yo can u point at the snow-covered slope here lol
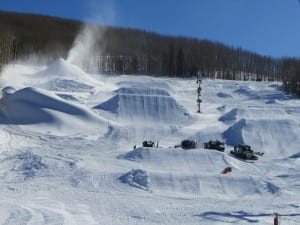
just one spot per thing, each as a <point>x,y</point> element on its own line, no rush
<point>145,104</point>
<point>67,153</point>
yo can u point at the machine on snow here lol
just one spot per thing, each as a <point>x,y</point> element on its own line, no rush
<point>148,144</point>
<point>245,152</point>
<point>188,144</point>
<point>217,145</point>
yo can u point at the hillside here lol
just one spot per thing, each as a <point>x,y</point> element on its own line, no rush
<point>130,50</point>
<point>42,39</point>
<point>67,154</point>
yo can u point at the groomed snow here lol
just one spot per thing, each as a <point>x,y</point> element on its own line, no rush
<point>145,104</point>
<point>67,154</point>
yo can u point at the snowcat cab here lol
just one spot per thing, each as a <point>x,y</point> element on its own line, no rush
<point>188,144</point>
<point>244,152</point>
<point>217,145</point>
<point>148,144</point>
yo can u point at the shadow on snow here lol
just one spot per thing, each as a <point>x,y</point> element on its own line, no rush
<point>238,216</point>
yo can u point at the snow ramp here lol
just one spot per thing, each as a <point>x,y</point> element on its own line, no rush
<point>274,137</point>
<point>197,172</point>
<point>145,104</point>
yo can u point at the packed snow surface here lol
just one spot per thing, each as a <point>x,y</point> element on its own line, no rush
<point>71,149</point>
<point>145,104</point>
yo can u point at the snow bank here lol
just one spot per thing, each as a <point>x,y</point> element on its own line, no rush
<point>146,104</point>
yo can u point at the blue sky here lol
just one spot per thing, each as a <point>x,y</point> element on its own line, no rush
<point>268,27</point>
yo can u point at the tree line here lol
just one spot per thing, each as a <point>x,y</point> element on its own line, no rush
<point>131,51</point>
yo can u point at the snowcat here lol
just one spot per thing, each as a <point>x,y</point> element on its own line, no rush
<point>148,144</point>
<point>243,151</point>
<point>188,144</point>
<point>217,145</point>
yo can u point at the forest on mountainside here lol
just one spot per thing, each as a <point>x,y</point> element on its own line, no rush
<point>131,51</point>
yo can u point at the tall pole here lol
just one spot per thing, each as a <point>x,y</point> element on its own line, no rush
<point>199,82</point>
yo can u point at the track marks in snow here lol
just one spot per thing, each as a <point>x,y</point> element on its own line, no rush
<point>47,212</point>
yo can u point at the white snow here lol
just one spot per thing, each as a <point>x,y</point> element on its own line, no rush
<point>145,104</point>
<point>67,153</point>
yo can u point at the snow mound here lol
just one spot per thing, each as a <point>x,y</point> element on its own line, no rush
<point>60,68</point>
<point>146,104</point>
<point>295,156</point>
<point>203,136</point>
<point>136,178</point>
<point>252,112</point>
<point>223,95</point>
<point>278,137</point>
<point>234,134</point>
<point>7,91</point>
<point>272,101</point>
<point>247,91</point>
<point>31,105</point>
<point>231,116</point>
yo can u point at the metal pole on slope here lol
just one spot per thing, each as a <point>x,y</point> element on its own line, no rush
<point>276,219</point>
<point>199,89</point>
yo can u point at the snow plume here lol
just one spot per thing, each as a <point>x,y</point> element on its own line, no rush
<point>87,47</point>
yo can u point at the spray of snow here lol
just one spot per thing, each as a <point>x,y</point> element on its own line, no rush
<point>87,45</point>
